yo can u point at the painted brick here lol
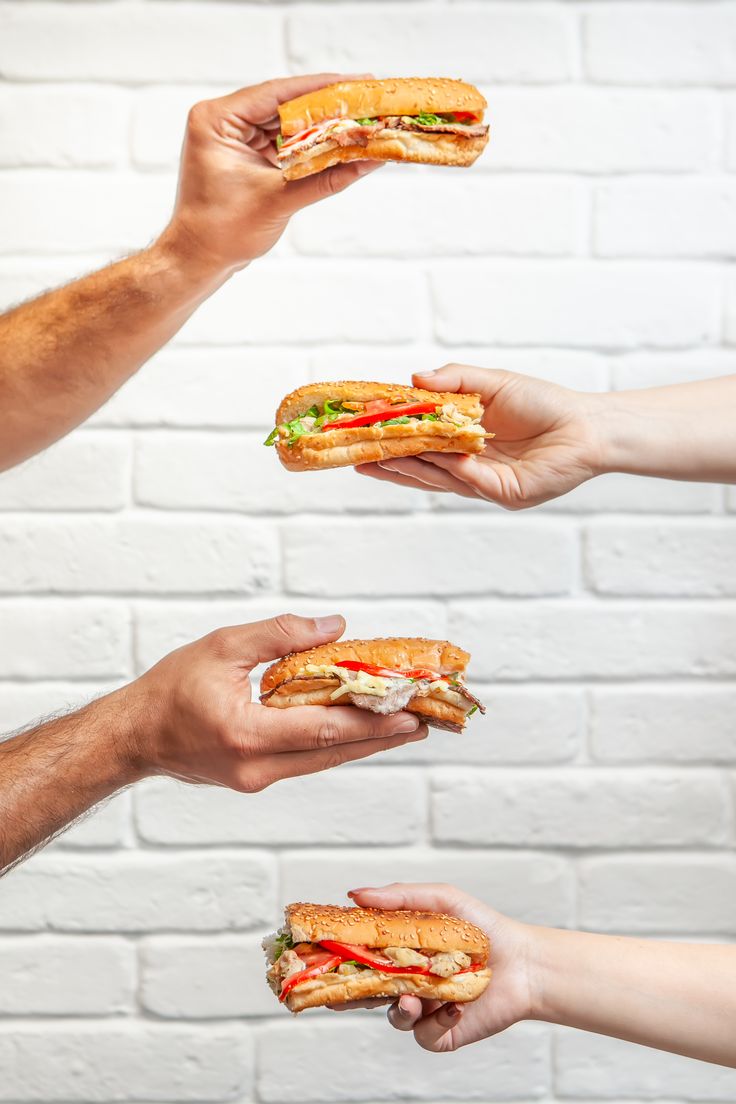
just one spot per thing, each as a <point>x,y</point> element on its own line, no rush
<point>139,892</point>
<point>57,639</point>
<point>66,976</point>
<point>657,218</point>
<point>137,554</point>
<point>574,808</point>
<point>62,126</point>
<point>608,305</point>
<point>340,808</point>
<point>497,558</point>
<point>87,471</point>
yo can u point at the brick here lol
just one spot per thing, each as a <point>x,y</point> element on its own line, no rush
<point>497,558</point>
<point>105,826</point>
<point>532,724</point>
<point>525,45</point>
<point>161,626</point>
<point>326,303</point>
<point>63,126</point>
<point>208,472</point>
<point>519,1056</point>
<point>580,808</point>
<point>684,724</point>
<point>26,704</point>
<point>205,978</point>
<point>139,892</point>
<point>731,132</point>
<point>56,639</point>
<point>660,369</point>
<point>665,218</point>
<point>532,887</point>
<point>218,388</point>
<point>137,554</point>
<point>53,211</point>
<point>730,319</point>
<point>667,558</point>
<point>555,640</point>
<point>159,120</point>
<point>91,1063</point>
<point>51,976</point>
<point>661,44</point>
<point>616,304</point>
<point>601,130</point>
<point>47,41</point>
<point>595,1066</point>
<point>660,894</point>
<point>514,215</point>
<point>336,808</point>
<point>87,471</point>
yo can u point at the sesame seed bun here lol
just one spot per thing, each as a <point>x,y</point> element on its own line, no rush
<point>366,927</point>
<point>369,98</point>
<point>365,444</point>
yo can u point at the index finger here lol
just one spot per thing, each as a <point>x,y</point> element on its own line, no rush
<point>259,103</point>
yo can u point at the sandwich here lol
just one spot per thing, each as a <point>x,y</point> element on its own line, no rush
<point>333,425</point>
<point>431,121</point>
<point>325,955</point>
<point>424,677</point>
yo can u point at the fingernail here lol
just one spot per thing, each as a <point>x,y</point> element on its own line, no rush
<point>409,724</point>
<point>330,624</point>
<point>453,1011</point>
<point>404,1011</point>
<point>428,373</point>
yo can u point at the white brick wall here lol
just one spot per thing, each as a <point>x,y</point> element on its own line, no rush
<point>589,246</point>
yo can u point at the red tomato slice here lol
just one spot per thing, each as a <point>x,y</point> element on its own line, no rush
<point>464,116</point>
<point>386,672</point>
<point>380,414</point>
<point>320,964</point>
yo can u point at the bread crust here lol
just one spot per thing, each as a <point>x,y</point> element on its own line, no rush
<point>417,147</point>
<point>349,987</point>
<point>366,927</point>
<point>369,98</point>
<point>347,447</point>
<point>400,651</point>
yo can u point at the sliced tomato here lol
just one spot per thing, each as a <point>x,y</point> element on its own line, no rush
<point>319,964</point>
<point>351,951</point>
<point>387,672</point>
<point>382,411</point>
<point>465,116</point>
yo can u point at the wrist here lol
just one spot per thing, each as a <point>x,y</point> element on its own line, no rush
<point>181,250</point>
<point>540,972</point>
<point>131,723</point>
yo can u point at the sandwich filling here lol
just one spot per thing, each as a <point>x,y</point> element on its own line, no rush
<point>294,964</point>
<point>359,132</point>
<point>383,689</point>
<point>337,414</point>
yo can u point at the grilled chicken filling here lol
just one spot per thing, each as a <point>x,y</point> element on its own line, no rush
<point>292,964</point>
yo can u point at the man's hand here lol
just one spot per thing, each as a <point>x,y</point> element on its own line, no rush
<point>545,441</point>
<point>191,715</point>
<point>233,203</point>
<point>442,1027</point>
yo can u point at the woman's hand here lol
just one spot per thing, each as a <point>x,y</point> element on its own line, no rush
<point>547,441</point>
<point>442,1027</point>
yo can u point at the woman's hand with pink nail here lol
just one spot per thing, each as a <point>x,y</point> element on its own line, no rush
<point>444,1027</point>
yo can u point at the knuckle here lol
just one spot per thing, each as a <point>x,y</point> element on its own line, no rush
<point>198,112</point>
<point>286,624</point>
<point>253,782</point>
<point>327,736</point>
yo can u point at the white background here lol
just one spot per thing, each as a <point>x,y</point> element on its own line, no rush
<point>590,246</point>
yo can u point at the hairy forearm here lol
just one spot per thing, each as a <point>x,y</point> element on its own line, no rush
<point>680,432</point>
<point>672,996</point>
<point>65,353</point>
<point>52,774</point>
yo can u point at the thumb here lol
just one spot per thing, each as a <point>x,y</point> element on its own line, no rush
<point>310,189</point>
<point>278,636</point>
<point>401,895</point>
<point>486,382</point>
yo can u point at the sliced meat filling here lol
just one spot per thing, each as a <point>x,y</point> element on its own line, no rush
<point>352,132</point>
